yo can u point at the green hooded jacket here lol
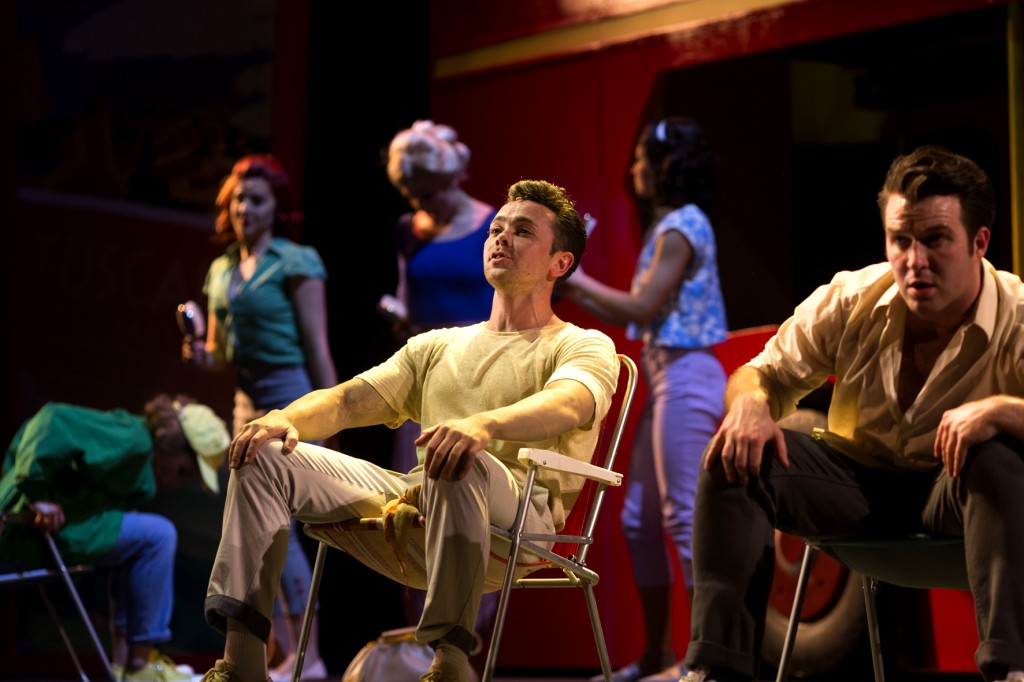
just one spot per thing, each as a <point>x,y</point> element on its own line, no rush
<point>95,464</point>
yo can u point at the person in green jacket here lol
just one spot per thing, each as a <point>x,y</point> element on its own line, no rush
<point>83,473</point>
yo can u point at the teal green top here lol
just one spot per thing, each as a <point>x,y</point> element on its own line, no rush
<point>94,464</point>
<point>259,319</point>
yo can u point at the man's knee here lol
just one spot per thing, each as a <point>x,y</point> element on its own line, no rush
<point>713,478</point>
<point>266,462</point>
<point>995,464</point>
<point>475,481</point>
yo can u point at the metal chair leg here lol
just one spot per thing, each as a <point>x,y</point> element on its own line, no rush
<point>871,608</point>
<point>63,633</point>
<point>595,623</point>
<point>307,618</point>
<point>794,614</point>
<point>510,571</point>
<point>80,607</point>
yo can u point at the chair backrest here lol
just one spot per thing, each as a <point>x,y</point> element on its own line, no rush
<point>742,345</point>
<point>582,519</point>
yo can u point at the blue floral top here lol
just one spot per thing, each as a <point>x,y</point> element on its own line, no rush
<point>695,316</point>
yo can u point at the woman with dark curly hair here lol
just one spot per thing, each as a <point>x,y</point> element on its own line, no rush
<point>675,308</point>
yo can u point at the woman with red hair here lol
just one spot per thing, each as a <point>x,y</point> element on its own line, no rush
<point>268,319</point>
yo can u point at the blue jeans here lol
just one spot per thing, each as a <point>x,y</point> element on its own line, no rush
<point>142,578</point>
<point>685,391</point>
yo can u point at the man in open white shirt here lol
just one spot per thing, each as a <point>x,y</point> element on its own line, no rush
<point>925,430</point>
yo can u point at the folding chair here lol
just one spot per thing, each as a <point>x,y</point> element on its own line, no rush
<point>60,572</point>
<point>919,561</point>
<point>363,539</point>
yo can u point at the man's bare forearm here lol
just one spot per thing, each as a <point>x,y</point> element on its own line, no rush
<point>1010,415</point>
<point>564,405</point>
<point>323,413</point>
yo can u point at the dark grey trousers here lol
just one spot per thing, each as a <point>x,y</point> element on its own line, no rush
<point>823,494</point>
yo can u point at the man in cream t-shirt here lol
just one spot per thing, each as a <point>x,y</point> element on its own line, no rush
<point>522,378</point>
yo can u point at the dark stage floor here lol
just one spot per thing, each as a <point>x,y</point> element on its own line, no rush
<point>891,676</point>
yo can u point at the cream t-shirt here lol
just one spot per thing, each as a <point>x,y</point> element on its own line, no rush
<point>459,371</point>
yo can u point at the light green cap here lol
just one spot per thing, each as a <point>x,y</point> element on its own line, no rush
<point>209,437</point>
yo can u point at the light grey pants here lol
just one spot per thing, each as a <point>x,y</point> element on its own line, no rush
<point>317,485</point>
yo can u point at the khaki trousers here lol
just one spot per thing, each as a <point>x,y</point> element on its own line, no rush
<point>317,485</point>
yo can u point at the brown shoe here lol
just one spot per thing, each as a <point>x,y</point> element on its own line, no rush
<point>439,672</point>
<point>222,672</point>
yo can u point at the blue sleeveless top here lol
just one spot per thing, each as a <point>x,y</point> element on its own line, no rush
<point>695,316</point>
<point>445,283</point>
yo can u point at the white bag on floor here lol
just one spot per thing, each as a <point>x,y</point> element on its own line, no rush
<point>395,656</point>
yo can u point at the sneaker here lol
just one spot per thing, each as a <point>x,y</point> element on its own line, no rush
<point>672,673</point>
<point>628,673</point>
<point>696,675</point>
<point>184,669</point>
<point>311,670</point>
<point>1014,676</point>
<point>221,672</point>
<point>632,672</point>
<point>159,668</point>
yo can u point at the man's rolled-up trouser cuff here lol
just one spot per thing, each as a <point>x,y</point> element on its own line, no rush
<point>460,637</point>
<point>220,607</point>
<point>711,655</point>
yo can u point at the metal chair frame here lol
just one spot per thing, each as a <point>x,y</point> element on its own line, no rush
<point>573,566</point>
<point>919,561</point>
<point>62,573</point>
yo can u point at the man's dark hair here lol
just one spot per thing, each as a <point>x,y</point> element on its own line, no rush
<point>570,235</point>
<point>933,171</point>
